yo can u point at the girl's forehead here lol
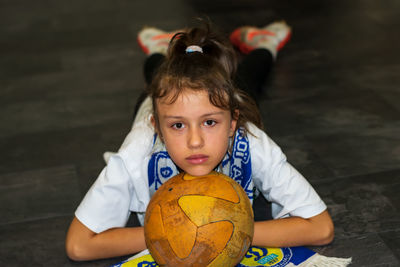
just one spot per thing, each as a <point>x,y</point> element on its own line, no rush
<point>191,105</point>
<point>193,96</point>
<point>183,95</point>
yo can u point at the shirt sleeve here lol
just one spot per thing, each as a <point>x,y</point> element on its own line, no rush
<point>122,186</point>
<point>106,204</point>
<point>290,193</point>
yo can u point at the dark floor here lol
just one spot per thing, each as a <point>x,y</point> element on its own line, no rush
<point>70,72</point>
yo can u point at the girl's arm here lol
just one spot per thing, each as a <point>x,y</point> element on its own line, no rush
<point>294,231</point>
<point>84,244</point>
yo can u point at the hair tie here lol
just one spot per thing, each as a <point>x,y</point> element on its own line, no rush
<point>193,48</point>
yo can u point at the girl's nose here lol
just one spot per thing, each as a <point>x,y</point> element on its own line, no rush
<point>195,138</point>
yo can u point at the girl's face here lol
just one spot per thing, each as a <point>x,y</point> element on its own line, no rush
<point>195,132</point>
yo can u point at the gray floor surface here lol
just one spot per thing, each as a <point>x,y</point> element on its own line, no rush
<point>70,73</point>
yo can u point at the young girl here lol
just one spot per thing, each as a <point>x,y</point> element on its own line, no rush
<point>196,120</point>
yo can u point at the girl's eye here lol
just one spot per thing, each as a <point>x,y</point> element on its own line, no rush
<point>178,125</point>
<point>209,123</point>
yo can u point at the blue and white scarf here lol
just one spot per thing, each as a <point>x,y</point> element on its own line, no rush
<point>259,256</point>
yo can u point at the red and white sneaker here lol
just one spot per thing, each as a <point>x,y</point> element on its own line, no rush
<point>272,37</point>
<point>153,40</point>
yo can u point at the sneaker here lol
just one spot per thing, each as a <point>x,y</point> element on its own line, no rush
<point>153,40</point>
<point>272,37</point>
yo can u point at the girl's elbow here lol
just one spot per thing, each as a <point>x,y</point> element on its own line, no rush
<point>78,240</point>
<point>75,251</point>
<point>326,235</point>
<point>323,228</point>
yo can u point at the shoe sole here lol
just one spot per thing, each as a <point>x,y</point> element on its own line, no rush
<point>156,37</point>
<point>143,47</point>
<point>245,49</point>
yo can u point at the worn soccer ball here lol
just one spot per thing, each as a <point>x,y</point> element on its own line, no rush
<point>199,221</point>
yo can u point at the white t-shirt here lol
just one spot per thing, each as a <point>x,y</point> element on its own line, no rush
<point>142,164</point>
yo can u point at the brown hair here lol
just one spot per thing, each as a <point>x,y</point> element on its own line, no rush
<point>211,70</point>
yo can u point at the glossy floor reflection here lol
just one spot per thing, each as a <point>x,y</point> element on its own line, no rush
<point>70,73</point>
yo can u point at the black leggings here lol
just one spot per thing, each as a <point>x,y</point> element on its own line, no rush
<point>250,76</point>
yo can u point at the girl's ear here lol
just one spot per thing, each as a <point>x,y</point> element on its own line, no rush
<point>153,121</point>
<point>156,128</point>
<point>234,121</point>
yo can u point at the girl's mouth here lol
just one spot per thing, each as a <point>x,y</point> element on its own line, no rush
<point>197,159</point>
